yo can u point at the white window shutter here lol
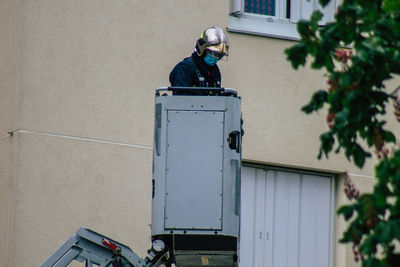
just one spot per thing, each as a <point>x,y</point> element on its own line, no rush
<point>301,9</point>
<point>287,219</point>
<point>304,8</point>
<point>329,11</point>
<point>236,7</point>
<point>295,10</point>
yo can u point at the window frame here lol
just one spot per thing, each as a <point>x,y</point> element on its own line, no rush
<point>277,26</point>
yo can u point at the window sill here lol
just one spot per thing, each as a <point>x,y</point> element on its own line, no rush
<point>264,27</point>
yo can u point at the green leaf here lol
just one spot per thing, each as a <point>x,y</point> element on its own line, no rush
<point>297,55</point>
<point>342,119</point>
<point>317,101</point>
<point>384,232</point>
<point>371,262</point>
<point>346,211</point>
<point>368,247</point>
<point>391,5</point>
<point>359,156</point>
<point>324,3</point>
<point>329,65</point>
<point>363,55</point>
<point>304,29</point>
<point>396,228</point>
<point>380,201</point>
<point>327,142</point>
<point>346,237</point>
<point>389,137</point>
<point>345,79</point>
<point>316,16</point>
<point>382,169</point>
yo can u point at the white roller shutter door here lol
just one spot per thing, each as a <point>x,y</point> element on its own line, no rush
<point>286,219</point>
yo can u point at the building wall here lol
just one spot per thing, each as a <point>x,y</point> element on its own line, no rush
<point>7,106</point>
<point>78,88</point>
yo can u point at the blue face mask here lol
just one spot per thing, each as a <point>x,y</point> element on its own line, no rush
<point>210,60</point>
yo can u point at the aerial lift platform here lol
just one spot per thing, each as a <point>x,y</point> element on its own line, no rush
<point>196,187</point>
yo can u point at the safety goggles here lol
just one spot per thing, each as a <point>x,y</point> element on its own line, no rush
<point>214,54</point>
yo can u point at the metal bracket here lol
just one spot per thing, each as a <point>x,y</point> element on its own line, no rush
<point>94,249</point>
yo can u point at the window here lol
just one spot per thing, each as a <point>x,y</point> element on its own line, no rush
<point>263,7</point>
<point>275,18</point>
<point>287,218</point>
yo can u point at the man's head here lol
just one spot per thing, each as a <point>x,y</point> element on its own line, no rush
<point>212,45</point>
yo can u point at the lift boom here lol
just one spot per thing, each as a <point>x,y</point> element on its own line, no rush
<point>92,248</point>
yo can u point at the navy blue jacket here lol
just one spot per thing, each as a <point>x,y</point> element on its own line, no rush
<point>186,73</point>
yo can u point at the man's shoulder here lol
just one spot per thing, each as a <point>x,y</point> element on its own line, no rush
<point>185,65</point>
<point>186,62</point>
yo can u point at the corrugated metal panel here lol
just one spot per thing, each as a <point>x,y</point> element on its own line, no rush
<point>286,219</point>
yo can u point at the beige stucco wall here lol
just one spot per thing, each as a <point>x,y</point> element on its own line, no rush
<point>7,101</point>
<point>61,184</point>
<point>78,87</point>
<point>343,253</point>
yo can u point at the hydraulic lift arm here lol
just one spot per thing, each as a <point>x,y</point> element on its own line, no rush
<point>96,250</point>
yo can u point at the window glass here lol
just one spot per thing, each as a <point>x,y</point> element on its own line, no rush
<point>288,9</point>
<point>262,7</point>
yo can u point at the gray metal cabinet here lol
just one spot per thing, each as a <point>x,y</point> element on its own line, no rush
<point>196,177</point>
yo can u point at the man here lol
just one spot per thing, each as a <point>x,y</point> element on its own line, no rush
<point>200,69</point>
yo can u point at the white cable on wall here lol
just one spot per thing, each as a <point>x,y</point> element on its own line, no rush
<point>5,136</point>
<point>77,138</point>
